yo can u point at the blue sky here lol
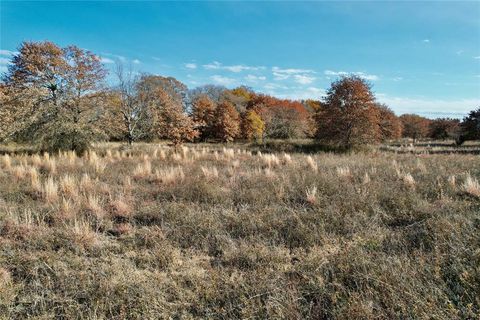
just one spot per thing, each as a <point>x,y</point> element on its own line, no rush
<point>421,57</point>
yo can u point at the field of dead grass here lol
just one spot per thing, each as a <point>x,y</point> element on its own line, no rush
<point>225,233</point>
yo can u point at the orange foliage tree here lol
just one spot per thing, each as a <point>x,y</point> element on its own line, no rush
<point>170,121</point>
<point>203,113</point>
<point>349,117</point>
<point>227,122</point>
<point>414,126</point>
<point>390,124</point>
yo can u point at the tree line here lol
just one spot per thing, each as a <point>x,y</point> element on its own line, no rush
<point>58,98</point>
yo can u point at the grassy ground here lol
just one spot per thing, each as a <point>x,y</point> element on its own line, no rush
<point>147,233</point>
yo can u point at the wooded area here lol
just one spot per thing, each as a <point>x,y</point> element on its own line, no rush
<point>58,99</point>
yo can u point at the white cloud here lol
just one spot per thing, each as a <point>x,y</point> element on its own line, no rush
<point>303,94</point>
<point>363,75</point>
<point>478,57</point>
<point>215,65</point>
<point>274,86</point>
<point>300,75</point>
<point>4,61</point>
<point>429,107</point>
<point>7,52</point>
<point>293,92</point>
<point>303,79</point>
<point>397,79</point>
<point>106,60</point>
<point>225,81</point>
<point>426,40</point>
<point>116,56</point>
<point>136,61</point>
<point>254,78</point>
<point>291,70</point>
<point>190,65</point>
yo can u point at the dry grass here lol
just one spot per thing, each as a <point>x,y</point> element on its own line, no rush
<point>209,232</point>
<point>471,186</point>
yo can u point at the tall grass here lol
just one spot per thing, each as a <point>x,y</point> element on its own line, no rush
<point>210,232</point>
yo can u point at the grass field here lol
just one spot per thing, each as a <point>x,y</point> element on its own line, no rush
<point>224,233</point>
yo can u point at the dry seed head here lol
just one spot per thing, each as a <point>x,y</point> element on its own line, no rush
<point>7,161</point>
<point>343,172</point>
<point>287,158</point>
<point>36,160</point>
<point>366,178</point>
<point>86,183</point>
<point>471,186</point>
<point>68,185</point>
<point>311,194</point>
<point>408,180</point>
<point>228,153</point>
<point>143,170</point>
<point>50,190</point>
<point>121,206</point>
<point>169,175</point>
<point>67,209</point>
<point>312,163</point>
<point>19,172</point>
<point>209,173</point>
<point>34,179</point>
<point>94,205</point>
<point>452,180</point>
<point>50,164</point>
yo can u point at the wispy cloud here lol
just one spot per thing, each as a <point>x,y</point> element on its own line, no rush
<point>215,65</point>
<point>136,61</point>
<point>360,74</point>
<point>478,57</point>
<point>429,107</point>
<point>115,56</point>
<point>299,75</point>
<point>7,52</point>
<point>303,79</point>
<point>4,61</point>
<point>254,78</point>
<point>225,81</point>
<point>106,60</point>
<point>426,40</point>
<point>190,65</point>
<point>294,92</point>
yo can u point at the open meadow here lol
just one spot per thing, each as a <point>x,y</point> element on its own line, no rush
<point>227,232</point>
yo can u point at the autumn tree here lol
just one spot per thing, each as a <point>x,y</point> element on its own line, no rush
<point>176,90</point>
<point>170,121</point>
<point>252,126</point>
<point>349,117</point>
<point>444,128</point>
<point>414,126</point>
<point>57,89</point>
<point>470,127</point>
<point>390,125</point>
<point>283,122</point>
<point>203,114</point>
<point>227,122</point>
